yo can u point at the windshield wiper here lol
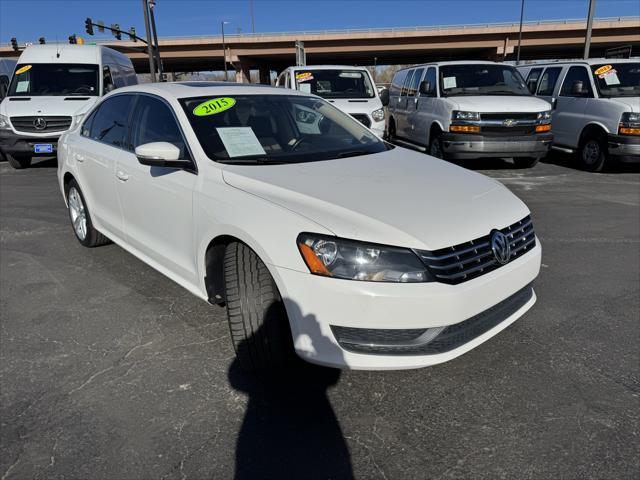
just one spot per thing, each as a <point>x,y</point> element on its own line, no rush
<point>250,161</point>
<point>352,153</point>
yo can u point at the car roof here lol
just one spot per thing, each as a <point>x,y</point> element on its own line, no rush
<point>588,61</point>
<point>455,62</point>
<point>325,67</point>
<point>204,89</point>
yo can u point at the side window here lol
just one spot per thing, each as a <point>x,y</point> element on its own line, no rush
<point>86,126</point>
<point>407,83</point>
<point>4,86</point>
<point>532,79</point>
<point>576,83</point>
<point>548,81</point>
<point>415,81</point>
<point>107,80</point>
<point>430,78</point>
<point>398,81</point>
<point>153,121</point>
<point>117,77</point>
<point>110,121</point>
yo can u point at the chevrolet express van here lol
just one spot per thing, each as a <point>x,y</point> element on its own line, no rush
<point>464,110</point>
<point>595,107</point>
<point>351,89</point>
<point>52,88</point>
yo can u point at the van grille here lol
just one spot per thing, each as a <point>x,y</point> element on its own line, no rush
<point>508,116</point>
<point>508,131</point>
<point>53,124</point>
<point>471,259</point>
<point>362,118</point>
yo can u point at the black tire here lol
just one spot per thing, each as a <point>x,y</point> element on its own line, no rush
<point>18,162</point>
<point>525,162</point>
<point>391,131</point>
<point>592,153</point>
<point>435,146</point>
<point>92,237</point>
<point>257,316</point>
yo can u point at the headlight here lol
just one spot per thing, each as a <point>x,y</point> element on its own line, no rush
<point>352,260</point>
<point>378,115</point>
<point>4,123</point>
<point>465,116</point>
<point>629,124</point>
<point>544,117</point>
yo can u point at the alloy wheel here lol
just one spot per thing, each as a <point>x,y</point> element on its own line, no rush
<point>78,213</point>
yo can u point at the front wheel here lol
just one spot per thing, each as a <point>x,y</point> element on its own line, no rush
<point>86,234</point>
<point>592,154</point>
<point>256,313</point>
<point>525,162</point>
<point>435,146</point>
<point>18,162</point>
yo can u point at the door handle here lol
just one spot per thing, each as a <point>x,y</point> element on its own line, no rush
<point>122,175</point>
<point>79,158</point>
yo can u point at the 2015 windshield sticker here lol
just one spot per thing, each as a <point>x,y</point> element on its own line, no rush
<point>23,69</point>
<point>304,76</point>
<point>603,69</point>
<point>213,106</point>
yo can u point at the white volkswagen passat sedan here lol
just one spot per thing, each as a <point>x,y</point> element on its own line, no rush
<point>315,234</point>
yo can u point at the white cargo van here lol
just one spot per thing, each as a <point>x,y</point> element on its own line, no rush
<point>351,89</point>
<point>52,88</point>
<point>596,107</point>
<point>470,109</point>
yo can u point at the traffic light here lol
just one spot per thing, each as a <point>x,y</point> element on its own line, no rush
<point>42,41</point>
<point>132,34</point>
<point>14,44</point>
<point>88,26</point>
<point>115,29</point>
<point>72,39</point>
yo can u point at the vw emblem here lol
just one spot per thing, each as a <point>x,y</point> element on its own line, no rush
<point>509,122</point>
<point>500,247</point>
<point>40,123</point>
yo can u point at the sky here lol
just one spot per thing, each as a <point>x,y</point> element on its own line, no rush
<point>27,20</point>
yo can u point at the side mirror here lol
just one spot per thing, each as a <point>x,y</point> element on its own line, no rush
<point>426,88</point>
<point>160,154</point>
<point>578,88</point>
<point>384,96</point>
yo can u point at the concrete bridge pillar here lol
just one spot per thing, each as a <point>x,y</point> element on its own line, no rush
<point>243,72</point>
<point>265,75</point>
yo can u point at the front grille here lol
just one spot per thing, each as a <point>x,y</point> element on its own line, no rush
<point>54,124</point>
<point>471,259</point>
<point>508,116</point>
<point>508,131</point>
<point>421,341</point>
<point>362,118</point>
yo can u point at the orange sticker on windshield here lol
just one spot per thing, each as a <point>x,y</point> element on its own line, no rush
<point>603,69</point>
<point>23,69</point>
<point>304,76</point>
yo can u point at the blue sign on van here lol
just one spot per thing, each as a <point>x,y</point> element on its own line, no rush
<point>43,148</point>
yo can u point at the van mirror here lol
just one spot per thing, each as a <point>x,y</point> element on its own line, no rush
<point>578,88</point>
<point>426,88</point>
<point>160,154</point>
<point>384,96</point>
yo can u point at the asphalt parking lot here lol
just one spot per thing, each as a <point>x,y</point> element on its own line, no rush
<point>110,370</point>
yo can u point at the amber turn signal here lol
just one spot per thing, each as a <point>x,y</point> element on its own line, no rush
<point>629,131</point>
<point>465,128</point>
<point>313,262</point>
<point>543,128</point>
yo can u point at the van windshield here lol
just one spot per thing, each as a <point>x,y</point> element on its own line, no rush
<point>54,79</point>
<point>481,79</point>
<point>617,79</point>
<point>335,83</point>
<point>276,129</point>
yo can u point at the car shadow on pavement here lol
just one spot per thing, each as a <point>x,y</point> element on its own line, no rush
<point>290,429</point>
<point>569,160</point>
<point>50,162</point>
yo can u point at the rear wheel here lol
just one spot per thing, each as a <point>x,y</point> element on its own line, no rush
<point>525,162</point>
<point>86,234</point>
<point>593,153</point>
<point>18,162</point>
<point>256,313</point>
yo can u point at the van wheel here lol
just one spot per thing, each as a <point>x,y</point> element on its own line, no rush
<point>593,153</point>
<point>18,162</point>
<point>435,146</point>
<point>256,313</point>
<point>525,162</point>
<point>86,234</point>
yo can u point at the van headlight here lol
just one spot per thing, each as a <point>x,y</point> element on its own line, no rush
<point>4,123</point>
<point>378,115</point>
<point>349,259</point>
<point>465,116</point>
<point>629,124</point>
<point>545,117</point>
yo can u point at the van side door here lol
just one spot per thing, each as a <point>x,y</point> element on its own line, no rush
<point>571,103</point>
<point>423,115</point>
<point>401,111</point>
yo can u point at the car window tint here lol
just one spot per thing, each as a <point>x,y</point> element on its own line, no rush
<point>532,79</point>
<point>154,121</point>
<point>109,124</point>
<point>407,83</point>
<point>548,81</point>
<point>576,74</point>
<point>413,87</point>
<point>431,78</point>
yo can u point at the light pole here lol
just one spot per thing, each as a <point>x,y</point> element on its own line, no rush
<point>152,67</point>
<point>520,32</point>
<point>587,40</point>
<point>224,52</point>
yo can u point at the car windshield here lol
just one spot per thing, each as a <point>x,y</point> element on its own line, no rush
<point>481,79</point>
<point>335,83</point>
<point>617,79</point>
<point>55,79</point>
<point>276,129</point>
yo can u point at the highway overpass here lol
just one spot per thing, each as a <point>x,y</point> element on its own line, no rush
<point>275,51</point>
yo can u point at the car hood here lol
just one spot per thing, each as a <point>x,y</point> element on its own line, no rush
<point>398,197</point>
<point>501,103</point>
<point>37,105</point>
<point>631,104</point>
<point>356,105</point>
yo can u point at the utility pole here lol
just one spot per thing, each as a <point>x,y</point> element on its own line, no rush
<point>152,19</point>
<point>253,23</point>
<point>587,40</point>
<point>519,32</point>
<point>224,51</point>
<point>152,67</point>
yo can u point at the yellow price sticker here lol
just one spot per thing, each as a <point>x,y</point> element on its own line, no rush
<point>603,69</point>
<point>213,106</point>
<point>23,69</point>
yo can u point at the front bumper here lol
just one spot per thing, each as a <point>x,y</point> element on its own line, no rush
<point>316,304</point>
<point>625,148</point>
<point>465,146</point>
<point>23,145</point>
